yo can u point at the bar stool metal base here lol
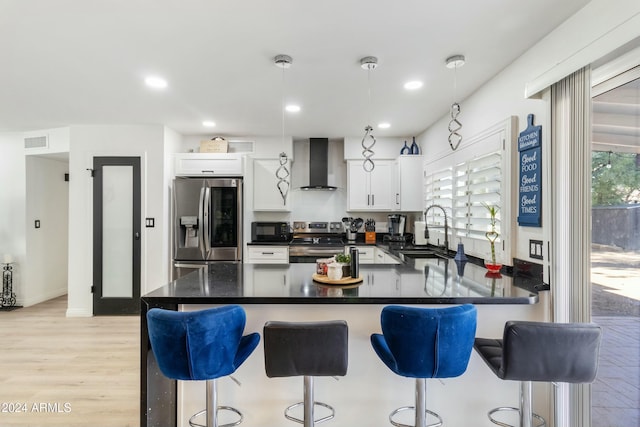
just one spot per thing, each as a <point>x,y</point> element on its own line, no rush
<point>543,423</point>
<point>525,411</point>
<point>192,423</point>
<point>407,408</point>
<point>319,420</point>
<point>420,408</point>
<point>309,404</point>
<point>211,412</point>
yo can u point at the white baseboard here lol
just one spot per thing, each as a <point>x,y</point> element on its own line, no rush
<point>45,296</point>
<point>79,312</point>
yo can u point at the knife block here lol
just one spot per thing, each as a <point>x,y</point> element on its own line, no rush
<point>369,236</point>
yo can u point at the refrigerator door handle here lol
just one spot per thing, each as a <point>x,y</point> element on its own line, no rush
<point>201,222</point>
<point>207,221</point>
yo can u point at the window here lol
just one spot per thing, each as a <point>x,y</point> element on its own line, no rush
<point>466,180</point>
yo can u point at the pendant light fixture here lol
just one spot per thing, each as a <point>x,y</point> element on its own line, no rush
<point>282,173</point>
<point>455,138</point>
<point>368,63</point>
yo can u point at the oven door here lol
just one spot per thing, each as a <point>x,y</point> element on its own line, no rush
<point>309,253</point>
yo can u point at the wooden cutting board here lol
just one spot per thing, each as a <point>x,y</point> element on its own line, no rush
<point>344,281</point>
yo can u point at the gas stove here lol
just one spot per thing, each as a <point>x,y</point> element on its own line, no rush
<point>316,239</point>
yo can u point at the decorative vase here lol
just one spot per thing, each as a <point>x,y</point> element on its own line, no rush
<point>346,270</point>
<point>492,267</point>
<point>334,271</point>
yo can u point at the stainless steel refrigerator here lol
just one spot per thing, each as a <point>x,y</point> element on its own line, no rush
<point>207,222</point>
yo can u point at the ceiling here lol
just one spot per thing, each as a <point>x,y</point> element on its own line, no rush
<point>71,62</point>
<point>616,119</point>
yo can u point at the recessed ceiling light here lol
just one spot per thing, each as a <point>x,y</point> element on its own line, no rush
<point>208,124</point>
<point>384,125</point>
<point>155,82</point>
<point>292,108</point>
<point>413,85</point>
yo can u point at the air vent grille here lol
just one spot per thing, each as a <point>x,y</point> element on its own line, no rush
<point>36,142</point>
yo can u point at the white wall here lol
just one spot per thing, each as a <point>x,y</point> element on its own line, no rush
<point>12,206</point>
<point>173,143</point>
<point>87,142</point>
<point>47,200</point>
<point>57,141</point>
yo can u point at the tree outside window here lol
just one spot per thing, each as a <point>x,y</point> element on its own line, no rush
<point>615,178</point>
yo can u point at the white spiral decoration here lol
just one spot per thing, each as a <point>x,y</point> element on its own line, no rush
<point>367,151</point>
<point>455,138</point>
<point>282,173</point>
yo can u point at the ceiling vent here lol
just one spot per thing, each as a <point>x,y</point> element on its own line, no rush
<point>36,142</point>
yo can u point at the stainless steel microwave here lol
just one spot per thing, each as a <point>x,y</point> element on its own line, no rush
<point>262,231</point>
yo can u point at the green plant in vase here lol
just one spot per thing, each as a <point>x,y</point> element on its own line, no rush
<point>345,260</point>
<point>492,236</point>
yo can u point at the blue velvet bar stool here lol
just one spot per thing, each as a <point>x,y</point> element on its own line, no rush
<point>201,346</point>
<point>307,349</point>
<point>540,351</point>
<point>425,343</point>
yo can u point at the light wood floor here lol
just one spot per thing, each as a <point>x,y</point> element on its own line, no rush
<point>59,371</point>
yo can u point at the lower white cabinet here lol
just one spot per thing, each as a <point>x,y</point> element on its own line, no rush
<point>382,257</point>
<point>267,283</point>
<point>373,255</point>
<point>366,254</point>
<point>267,255</point>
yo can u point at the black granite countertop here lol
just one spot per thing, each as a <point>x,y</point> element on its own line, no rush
<point>422,281</point>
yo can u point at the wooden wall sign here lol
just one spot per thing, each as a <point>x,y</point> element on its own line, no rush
<point>530,183</point>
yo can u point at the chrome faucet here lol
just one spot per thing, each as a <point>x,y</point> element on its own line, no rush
<point>446,226</point>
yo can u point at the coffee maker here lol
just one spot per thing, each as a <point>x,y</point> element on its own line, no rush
<point>396,224</point>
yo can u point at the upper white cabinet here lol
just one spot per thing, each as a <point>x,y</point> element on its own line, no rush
<point>266,195</point>
<point>208,164</point>
<point>408,184</point>
<point>370,191</point>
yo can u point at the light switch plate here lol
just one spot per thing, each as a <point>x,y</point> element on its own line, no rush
<point>535,249</point>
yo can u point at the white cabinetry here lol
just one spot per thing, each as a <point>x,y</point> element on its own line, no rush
<point>264,283</point>
<point>208,164</point>
<point>266,196</point>
<point>370,191</point>
<point>382,257</point>
<point>373,255</point>
<point>408,184</point>
<point>267,254</point>
<point>366,254</point>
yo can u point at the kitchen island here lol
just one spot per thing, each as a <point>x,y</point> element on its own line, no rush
<point>369,391</point>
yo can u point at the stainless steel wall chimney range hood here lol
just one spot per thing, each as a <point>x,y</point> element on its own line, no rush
<point>318,165</point>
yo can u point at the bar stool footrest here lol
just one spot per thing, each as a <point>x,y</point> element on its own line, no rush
<point>542,421</point>
<point>413,408</point>
<point>320,420</point>
<point>192,423</point>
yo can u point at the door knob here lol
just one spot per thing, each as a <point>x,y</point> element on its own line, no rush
<point>137,235</point>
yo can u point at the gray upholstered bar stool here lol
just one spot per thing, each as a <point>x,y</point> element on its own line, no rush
<point>539,351</point>
<point>307,349</point>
